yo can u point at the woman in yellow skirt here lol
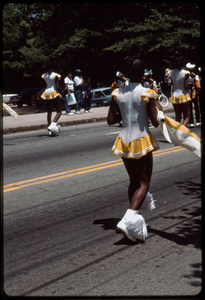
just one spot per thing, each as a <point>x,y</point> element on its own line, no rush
<point>134,104</point>
<point>52,96</point>
<point>180,97</point>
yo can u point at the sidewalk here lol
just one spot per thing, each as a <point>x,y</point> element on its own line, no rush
<point>38,121</point>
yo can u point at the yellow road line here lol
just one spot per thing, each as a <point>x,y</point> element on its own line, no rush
<point>57,174</point>
<point>79,171</point>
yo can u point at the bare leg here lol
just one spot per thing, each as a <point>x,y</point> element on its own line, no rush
<point>58,109</point>
<point>186,113</point>
<point>177,109</point>
<point>49,109</point>
<point>139,171</point>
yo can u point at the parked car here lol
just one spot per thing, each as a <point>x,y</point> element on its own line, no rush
<point>41,103</point>
<point>100,96</point>
<point>24,97</point>
<point>6,97</point>
<point>36,98</point>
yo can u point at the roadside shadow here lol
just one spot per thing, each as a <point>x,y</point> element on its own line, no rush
<point>187,230</point>
<point>126,241</point>
<point>107,224</point>
<point>191,188</point>
<point>195,276</point>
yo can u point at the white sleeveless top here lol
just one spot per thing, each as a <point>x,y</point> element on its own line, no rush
<point>50,81</point>
<point>178,77</point>
<point>132,101</point>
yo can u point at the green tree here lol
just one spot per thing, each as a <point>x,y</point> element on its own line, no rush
<point>95,37</point>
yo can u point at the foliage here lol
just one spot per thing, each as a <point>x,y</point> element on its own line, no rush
<point>95,37</point>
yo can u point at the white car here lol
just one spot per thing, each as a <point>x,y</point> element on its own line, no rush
<point>100,96</point>
<point>6,97</point>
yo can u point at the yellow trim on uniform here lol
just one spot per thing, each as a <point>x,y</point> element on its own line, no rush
<point>148,94</point>
<point>181,99</point>
<point>58,75</point>
<point>50,96</point>
<point>135,149</point>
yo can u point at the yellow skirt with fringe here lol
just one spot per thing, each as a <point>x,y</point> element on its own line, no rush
<point>135,149</point>
<point>181,99</point>
<point>50,96</point>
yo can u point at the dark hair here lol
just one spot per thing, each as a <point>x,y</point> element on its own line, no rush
<point>68,72</point>
<point>178,62</point>
<point>50,65</point>
<point>132,65</point>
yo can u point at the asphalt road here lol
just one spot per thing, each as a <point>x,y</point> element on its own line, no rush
<point>63,197</point>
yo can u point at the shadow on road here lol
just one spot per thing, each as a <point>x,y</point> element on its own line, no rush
<point>187,225</point>
<point>191,188</point>
<point>187,230</point>
<point>108,224</point>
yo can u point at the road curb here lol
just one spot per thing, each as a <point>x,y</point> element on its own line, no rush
<point>45,126</point>
<point>38,126</point>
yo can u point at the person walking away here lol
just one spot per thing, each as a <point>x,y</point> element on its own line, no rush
<point>180,97</point>
<point>194,88</point>
<point>88,96</point>
<point>168,81</point>
<point>120,81</point>
<point>52,96</point>
<point>200,81</point>
<point>68,90</point>
<point>148,82</point>
<point>135,144</point>
<point>78,88</point>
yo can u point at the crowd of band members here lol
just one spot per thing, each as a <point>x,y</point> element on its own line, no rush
<point>75,88</point>
<point>194,89</point>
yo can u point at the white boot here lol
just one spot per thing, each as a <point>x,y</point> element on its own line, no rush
<point>53,127</point>
<point>148,202</point>
<point>133,225</point>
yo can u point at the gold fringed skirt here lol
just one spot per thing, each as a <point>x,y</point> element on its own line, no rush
<point>50,96</point>
<point>136,148</point>
<point>180,100</point>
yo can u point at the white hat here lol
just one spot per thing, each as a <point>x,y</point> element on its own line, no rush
<point>199,68</point>
<point>190,66</point>
<point>118,74</point>
<point>147,72</point>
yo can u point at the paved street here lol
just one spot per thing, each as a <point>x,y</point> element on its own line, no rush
<point>63,197</point>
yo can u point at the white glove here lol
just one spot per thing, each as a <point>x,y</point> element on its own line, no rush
<point>160,116</point>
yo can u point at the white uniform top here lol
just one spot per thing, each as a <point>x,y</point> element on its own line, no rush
<point>50,81</point>
<point>178,77</point>
<point>132,101</point>
<point>70,83</point>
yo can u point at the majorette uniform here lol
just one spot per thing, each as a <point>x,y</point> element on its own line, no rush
<point>51,90</point>
<point>150,83</point>
<point>135,139</point>
<point>119,83</point>
<point>180,95</point>
<point>51,93</point>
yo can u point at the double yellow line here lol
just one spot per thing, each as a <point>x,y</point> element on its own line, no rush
<point>48,178</point>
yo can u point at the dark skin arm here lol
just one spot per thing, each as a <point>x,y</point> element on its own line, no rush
<point>186,82</point>
<point>114,115</point>
<point>67,89</point>
<point>57,85</point>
